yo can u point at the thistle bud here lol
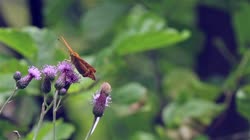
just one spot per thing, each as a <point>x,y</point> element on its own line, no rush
<point>101,99</point>
<point>60,82</point>
<point>17,76</point>
<point>34,73</point>
<point>46,85</point>
<point>62,92</point>
<point>24,82</point>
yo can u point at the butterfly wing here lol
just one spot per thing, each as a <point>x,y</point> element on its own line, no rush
<point>85,69</point>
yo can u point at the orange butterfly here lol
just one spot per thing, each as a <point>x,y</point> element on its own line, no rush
<point>85,69</point>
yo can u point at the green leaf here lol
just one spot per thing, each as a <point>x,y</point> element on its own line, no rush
<point>46,42</point>
<point>63,131</point>
<point>184,84</point>
<point>8,84</point>
<point>243,101</point>
<point>129,94</point>
<point>20,41</point>
<point>241,24</point>
<point>99,20</point>
<point>11,65</point>
<point>6,127</point>
<point>184,13</point>
<point>202,111</point>
<point>145,31</point>
<point>127,99</point>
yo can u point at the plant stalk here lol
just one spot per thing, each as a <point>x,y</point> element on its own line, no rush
<point>7,101</point>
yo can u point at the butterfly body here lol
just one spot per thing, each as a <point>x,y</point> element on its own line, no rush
<point>85,69</point>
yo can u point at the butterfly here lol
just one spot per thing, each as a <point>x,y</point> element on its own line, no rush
<point>85,69</point>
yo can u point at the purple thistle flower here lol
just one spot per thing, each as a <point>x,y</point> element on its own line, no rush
<point>34,73</point>
<point>72,77</point>
<point>101,99</point>
<point>65,66</point>
<point>67,76</point>
<point>61,81</point>
<point>49,72</point>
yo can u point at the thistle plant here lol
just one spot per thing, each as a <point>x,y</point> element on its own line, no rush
<point>49,73</point>
<point>23,82</point>
<point>64,76</point>
<point>100,101</point>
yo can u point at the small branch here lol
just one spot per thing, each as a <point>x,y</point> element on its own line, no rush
<point>8,100</point>
<point>54,114</point>
<point>59,102</point>
<point>225,52</point>
<point>44,110</point>
<point>231,83</point>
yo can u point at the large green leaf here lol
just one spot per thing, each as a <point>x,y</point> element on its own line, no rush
<point>46,41</point>
<point>241,23</point>
<point>243,101</point>
<point>20,41</point>
<point>11,65</point>
<point>183,13</point>
<point>63,131</point>
<point>7,87</point>
<point>129,93</point>
<point>202,111</point>
<point>6,127</point>
<point>145,31</point>
<point>127,99</point>
<point>100,19</point>
<point>184,84</point>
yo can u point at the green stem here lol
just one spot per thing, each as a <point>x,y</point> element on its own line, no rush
<point>44,111</point>
<point>54,114</point>
<point>7,101</point>
<point>59,102</point>
<point>95,122</point>
<point>231,83</point>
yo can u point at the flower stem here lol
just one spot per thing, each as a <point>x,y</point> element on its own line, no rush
<point>44,110</point>
<point>95,122</point>
<point>59,101</point>
<point>7,101</point>
<point>54,114</point>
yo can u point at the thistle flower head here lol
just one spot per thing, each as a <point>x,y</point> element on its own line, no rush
<point>101,99</point>
<point>72,77</point>
<point>34,73</point>
<point>67,75</point>
<point>65,66</point>
<point>49,72</point>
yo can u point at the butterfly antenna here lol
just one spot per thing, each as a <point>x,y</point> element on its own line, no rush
<point>66,44</point>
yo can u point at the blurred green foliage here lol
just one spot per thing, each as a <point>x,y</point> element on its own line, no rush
<point>147,50</point>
